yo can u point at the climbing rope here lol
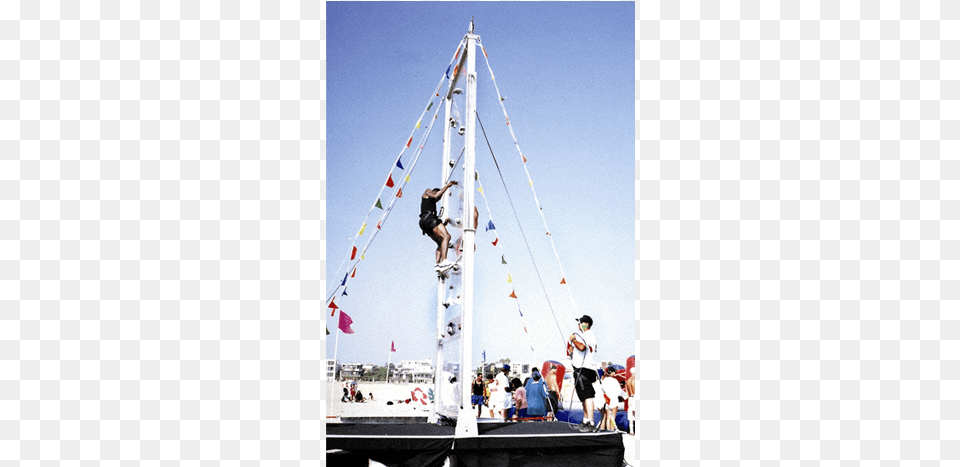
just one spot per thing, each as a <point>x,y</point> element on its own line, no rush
<point>522,233</point>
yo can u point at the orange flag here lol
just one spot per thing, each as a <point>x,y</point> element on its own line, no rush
<point>400,193</point>
<point>409,141</point>
<point>513,294</point>
<point>563,281</point>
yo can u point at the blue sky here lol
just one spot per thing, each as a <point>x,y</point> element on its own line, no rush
<point>565,70</point>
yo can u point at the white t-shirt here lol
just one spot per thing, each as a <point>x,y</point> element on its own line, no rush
<point>611,388</point>
<point>584,358</point>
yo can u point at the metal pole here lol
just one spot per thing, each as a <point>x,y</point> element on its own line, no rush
<point>467,419</point>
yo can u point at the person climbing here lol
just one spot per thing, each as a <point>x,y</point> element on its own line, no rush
<point>431,224</point>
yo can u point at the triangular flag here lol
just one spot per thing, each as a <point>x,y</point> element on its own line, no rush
<point>399,165</point>
<point>495,241</point>
<point>333,306</point>
<point>362,228</point>
<point>480,189</point>
<point>418,123</point>
<point>378,225</point>
<point>458,53</point>
<point>563,281</point>
<point>508,120</point>
<point>354,274</point>
<point>344,280</point>
<point>400,193</point>
<point>503,260</point>
<point>390,180</point>
<point>447,73</point>
<point>484,51</point>
<point>512,295</point>
<point>524,158</point>
<point>409,141</point>
<point>431,105</point>
<point>344,294</point>
<point>379,206</point>
<point>407,178</point>
<point>490,226</point>
<point>509,278</point>
<point>345,323</point>
<point>353,255</point>
<point>392,348</point>
<point>476,176</point>
<point>328,331</point>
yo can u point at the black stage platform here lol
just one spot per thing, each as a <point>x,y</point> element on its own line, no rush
<point>527,444</point>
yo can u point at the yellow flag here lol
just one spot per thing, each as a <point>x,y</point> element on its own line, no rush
<point>362,228</point>
<point>407,178</point>
<point>480,190</point>
<point>531,182</point>
<point>509,279</point>
<point>418,124</point>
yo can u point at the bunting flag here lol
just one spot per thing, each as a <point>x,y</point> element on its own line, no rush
<point>409,141</point>
<point>418,124</point>
<point>490,226</point>
<point>508,120</point>
<point>513,294</point>
<point>484,355</point>
<point>431,105</point>
<point>480,189</point>
<point>390,180</point>
<point>354,273</point>
<point>509,278</point>
<point>399,165</point>
<point>392,348</point>
<point>333,306</point>
<point>345,323</point>
<point>448,76</point>
<point>344,283</point>
<point>328,331</point>
<point>457,54</point>
<point>563,280</point>
<point>524,158</point>
<point>362,228</point>
<point>400,193</point>
<point>407,178</point>
<point>456,70</point>
<point>495,241</point>
<point>379,206</point>
<point>503,260</point>
<point>353,255</point>
<point>378,224</point>
<point>484,51</point>
<point>344,294</point>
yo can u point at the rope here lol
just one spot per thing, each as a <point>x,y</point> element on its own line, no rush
<point>563,274</point>
<point>524,235</point>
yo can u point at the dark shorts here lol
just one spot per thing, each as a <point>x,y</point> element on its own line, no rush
<point>476,400</point>
<point>428,222</point>
<point>584,379</point>
<point>553,401</point>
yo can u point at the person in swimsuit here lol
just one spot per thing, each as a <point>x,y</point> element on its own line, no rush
<point>431,224</point>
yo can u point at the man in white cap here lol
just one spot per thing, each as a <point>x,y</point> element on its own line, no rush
<point>581,346</point>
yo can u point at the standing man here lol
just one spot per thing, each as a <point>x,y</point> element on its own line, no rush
<point>431,224</point>
<point>553,391</point>
<point>477,397</point>
<point>581,347</point>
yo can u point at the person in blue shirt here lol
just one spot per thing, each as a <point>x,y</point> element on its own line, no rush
<point>536,395</point>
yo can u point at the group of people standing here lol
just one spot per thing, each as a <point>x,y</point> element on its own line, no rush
<point>535,397</point>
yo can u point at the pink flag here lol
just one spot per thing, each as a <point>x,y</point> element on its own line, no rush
<point>392,348</point>
<point>345,323</point>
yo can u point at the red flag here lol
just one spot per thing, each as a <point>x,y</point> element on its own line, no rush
<point>390,180</point>
<point>345,323</point>
<point>400,193</point>
<point>333,306</point>
<point>513,294</point>
<point>354,273</point>
<point>563,280</point>
<point>392,348</point>
<point>378,224</point>
<point>409,141</point>
<point>495,241</point>
<point>524,158</point>
<point>354,254</point>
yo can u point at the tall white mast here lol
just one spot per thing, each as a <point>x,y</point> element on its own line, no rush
<point>467,418</point>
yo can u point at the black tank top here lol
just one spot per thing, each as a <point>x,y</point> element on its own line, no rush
<point>428,206</point>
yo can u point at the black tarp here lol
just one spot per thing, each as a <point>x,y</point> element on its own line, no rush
<point>528,444</point>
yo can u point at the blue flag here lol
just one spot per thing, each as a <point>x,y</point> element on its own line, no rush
<point>484,355</point>
<point>399,165</point>
<point>344,279</point>
<point>490,226</point>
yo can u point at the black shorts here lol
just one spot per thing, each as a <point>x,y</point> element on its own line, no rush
<point>553,401</point>
<point>583,379</point>
<point>428,222</point>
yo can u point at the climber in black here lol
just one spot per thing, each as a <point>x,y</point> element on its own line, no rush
<point>431,224</point>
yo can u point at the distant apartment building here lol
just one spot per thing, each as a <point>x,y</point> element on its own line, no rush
<point>350,370</point>
<point>332,368</point>
<point>414,371</point>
